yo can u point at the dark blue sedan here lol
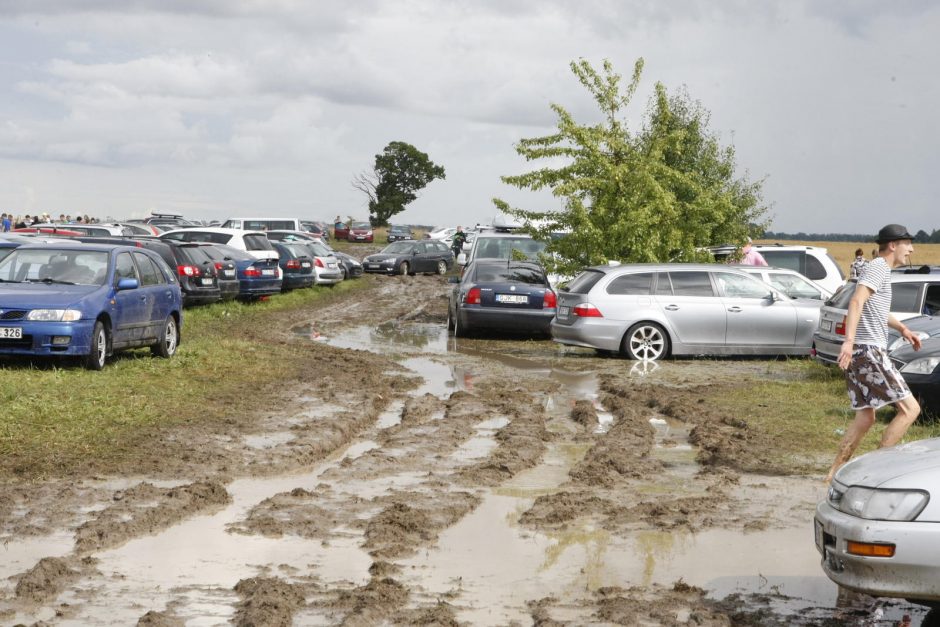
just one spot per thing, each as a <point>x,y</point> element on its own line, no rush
<point>87,301</point>
<point>501,296</point>
<point>257,278</point>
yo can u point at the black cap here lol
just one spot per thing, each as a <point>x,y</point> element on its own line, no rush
<point>892,233</point>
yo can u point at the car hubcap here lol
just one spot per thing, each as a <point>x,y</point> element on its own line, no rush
<point>101,347</point>
<point>170,337</point>
<point>647,343</point>
<point>441,267</point>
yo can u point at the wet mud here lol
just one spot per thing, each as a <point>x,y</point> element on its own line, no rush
<point>421,479</point>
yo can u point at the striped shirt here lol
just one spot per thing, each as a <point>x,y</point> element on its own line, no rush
<point>873,324</point>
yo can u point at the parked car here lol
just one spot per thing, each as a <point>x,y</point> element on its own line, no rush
<point>349,266</point>
<point>317,228</point>
<point>790,282</point>
<point>255,243</point>
<point>87,300</point>
<point>878,530</point>
<point>360,232</point>
<point>813,262</point>
<point>340,230</point>
<point>257,278</point>
<point>649,311</point>
<point>263,224</point>
<point>501,296</point>
<point>921,371</point>
<point>8,246</point>
<point>911,296</point>
<point>296,265</point>
<point>139,228</point>
<point>500,244</point>
<point>411,257</point>
<point>226,272</point>
<point>49,229</point>
<point>398,232</point>
<point>197,274</point>
<point>327,268</point>
<point>168,220</point>
<point>922,326</point>
<point>352,267</point>
<point>441,232</point>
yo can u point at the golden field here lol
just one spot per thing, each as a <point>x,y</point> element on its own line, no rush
<point>844,252</point>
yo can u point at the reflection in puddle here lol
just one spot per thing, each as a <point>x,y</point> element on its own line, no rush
<point>437,376</point>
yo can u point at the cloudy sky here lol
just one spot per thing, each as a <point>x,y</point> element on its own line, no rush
<point>218,108</point>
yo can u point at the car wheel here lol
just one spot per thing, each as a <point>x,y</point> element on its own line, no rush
<point>450,322</point>
<point>442,267</point>
<point>646,341</point>
<point>169,339</point>
<point>100,339</point>
<point>403,268</point>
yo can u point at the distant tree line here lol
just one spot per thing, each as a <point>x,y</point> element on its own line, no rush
<point>921,237</point>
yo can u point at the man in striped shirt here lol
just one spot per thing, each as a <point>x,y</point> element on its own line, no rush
<point>871,379</point>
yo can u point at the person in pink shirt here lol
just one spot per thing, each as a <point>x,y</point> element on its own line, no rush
<point>751,257</point>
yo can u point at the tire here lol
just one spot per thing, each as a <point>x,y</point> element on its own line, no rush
<point>450,322</point>
<point>645,341</point>
<point>442,267</point>
<point>404,268</point>
<point>169,339</point>
<point>100,342</point>
<point>459,331</point>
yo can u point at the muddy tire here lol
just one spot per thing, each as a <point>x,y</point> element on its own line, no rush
<point>459,330</point>
<point>169,339</point>
<point>442,267</point>
<point>100,342</point>
<point>645,341</point>
<point>404,268</point>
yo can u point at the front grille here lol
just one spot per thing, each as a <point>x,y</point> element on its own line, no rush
<point>13,314</point>
<point>897,363</point>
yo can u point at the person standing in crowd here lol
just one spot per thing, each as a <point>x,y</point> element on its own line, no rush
<point>855,270</point>
<point>751,257</point>
<point>6,223</point>
<point>459,238</point>
<point>871,379</point>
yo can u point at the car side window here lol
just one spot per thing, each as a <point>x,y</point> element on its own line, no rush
<point>791,260</point>
<point>174,236</point>
<point>663,284</point>
<point>631,284</point>
<point>794,285</point>
<point>737,286</point>
<point>124,267</point>
<point>905,297</point>
<point>814,269</point>
<point>932,300</point>
<point>691,284</point>
<point>420,248</point>
<point>149,275</point>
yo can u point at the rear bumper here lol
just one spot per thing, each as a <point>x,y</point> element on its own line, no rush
<point>37,338</point>
<point>255,289</point>
<point>598,334</point>
<point>514,320</point>
<point>827,349</point>
<point>201,297</point>
<point>328,276</point>
<point>295,281</point>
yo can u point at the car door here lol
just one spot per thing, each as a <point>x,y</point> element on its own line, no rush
<point>422,258</point>
<point>159,296</point>
<point>755,317</point>
<point>689,303</point>
<point>128,309</point>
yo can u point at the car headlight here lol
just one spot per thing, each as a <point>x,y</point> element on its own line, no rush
<point>872,504</point>
<point>54,315</point>
<point>898,343</point>
<point>924,365</point>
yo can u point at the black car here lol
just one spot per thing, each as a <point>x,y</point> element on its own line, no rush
<point>226,270</point>
<point>352,267</point>
<point>411,257</point>
<point>296,265</point>
<point>921,371</point>
<point>399,232</point>
<point>501,296</point>
<point>199,279</point>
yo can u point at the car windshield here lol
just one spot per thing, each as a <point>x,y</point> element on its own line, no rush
<point>504,274</point>
<point>398,248</point>
<point>55,266</point>
<point>399,229</point>
<point>361,225</point>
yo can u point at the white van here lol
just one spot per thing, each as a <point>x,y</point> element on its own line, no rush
<point>264,224</point>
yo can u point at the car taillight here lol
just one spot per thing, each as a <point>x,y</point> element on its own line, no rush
<point>293,264</point>
<point>840,327</point>
<point>186,270</point>
<point>587,310</point>
<point>472,297</point>
<point>549,301</point>
<point>252,271</point>
<point>218,265</point>
<point>319,263</point>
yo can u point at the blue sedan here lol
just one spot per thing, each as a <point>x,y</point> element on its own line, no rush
<point>87,301</point>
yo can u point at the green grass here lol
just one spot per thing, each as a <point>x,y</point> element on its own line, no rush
<point>57,418</point>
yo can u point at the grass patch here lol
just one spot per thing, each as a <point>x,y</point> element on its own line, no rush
<point>57,418</point>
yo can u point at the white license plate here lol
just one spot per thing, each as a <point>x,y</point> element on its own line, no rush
<point>373,265</point>
<point>207,281</point>
<point>825,325</point>
<point>563,311</point>
<point>11,333</point>
<point>267,272</point>
<point>305,264</point>
<point>229,273</point>
<point>331,265</point>
<point>512,298</point>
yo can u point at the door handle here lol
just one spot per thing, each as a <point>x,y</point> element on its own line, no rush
<point>671,307</point>
<point>734,309</point>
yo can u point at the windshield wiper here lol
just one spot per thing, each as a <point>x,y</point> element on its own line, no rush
<point>49,281</point>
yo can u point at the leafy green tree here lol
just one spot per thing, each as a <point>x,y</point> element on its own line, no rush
<point>921,237</point>
<point>399,173</point>
<point>658,193</point>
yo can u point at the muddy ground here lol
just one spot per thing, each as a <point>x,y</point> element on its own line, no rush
<point>433,481</point>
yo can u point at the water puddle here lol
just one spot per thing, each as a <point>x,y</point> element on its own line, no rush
<point>386,337</point>
<point>390,417</point>
<point>437,376</point>
<point>482,443</point>
<point>268,440</point>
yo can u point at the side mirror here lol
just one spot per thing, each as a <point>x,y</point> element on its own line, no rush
<point>127,284</point>
<point>462,259</point>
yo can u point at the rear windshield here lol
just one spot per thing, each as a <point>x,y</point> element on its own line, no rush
<point>503,274</point>
<point>193,254</point>
<point>583,283</point>
<point>502,247</point>
<point>840,300</point>
<point>296,250</point>
<point>234,253</point>
<point>258,242</point>
<point>318,249</point>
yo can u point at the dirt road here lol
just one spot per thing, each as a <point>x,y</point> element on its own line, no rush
<point>426,480</point>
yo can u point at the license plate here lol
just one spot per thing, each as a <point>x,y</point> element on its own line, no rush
<point>373,265</point>
<point>267,272</point>
<point>207,281</point>
<point>305,264</point>
<point>825,325</point>
<point>11,333</point>
<point>331,265</point>
<point>819,535</point>
<point>229,273</point>
<point>512,298</point>
<point>563,311</point>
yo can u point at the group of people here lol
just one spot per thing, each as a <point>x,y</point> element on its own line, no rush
<point>8,222</point>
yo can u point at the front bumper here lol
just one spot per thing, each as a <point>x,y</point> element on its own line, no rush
<point>381,267</point>
<point>914,571</point>
<point>37,338</point>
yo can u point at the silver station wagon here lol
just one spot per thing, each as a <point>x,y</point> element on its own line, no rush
<point>650,311</point>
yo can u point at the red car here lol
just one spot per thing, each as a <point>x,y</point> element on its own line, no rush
<point>340,230</point>
<point>360,232</point>
<point>49,230</point>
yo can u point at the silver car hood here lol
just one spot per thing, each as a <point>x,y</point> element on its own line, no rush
<point>915,465</point>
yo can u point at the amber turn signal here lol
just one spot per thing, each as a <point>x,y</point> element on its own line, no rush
<point>869,550</point>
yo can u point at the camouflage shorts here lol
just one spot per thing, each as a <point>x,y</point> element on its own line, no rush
<point>872,380</point>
